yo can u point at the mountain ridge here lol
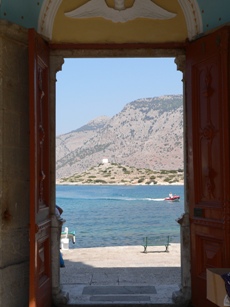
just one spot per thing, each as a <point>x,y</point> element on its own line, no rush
<point>146,133</point>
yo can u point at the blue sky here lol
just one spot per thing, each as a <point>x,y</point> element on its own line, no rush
<point>88,88</point>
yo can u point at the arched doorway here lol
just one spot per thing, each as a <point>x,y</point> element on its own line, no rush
<point>205,121</point>
<point>77,76</point>
<point>57,58</point>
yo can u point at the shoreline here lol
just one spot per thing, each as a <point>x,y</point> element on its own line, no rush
<point>118,174</point>
<point>118,184</point>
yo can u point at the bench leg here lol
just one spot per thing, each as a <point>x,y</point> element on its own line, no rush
<point>166,248</point>
<point>145,249</point>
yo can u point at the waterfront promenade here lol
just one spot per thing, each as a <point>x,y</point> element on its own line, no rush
<point>121,275</point>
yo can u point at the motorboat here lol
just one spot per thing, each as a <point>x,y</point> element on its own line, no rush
<point>172,197</point>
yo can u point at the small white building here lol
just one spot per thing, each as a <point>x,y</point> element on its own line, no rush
<point>105,161</point>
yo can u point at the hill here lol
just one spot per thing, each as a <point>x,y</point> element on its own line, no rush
<point>147,133</point>
<point>112,173</point>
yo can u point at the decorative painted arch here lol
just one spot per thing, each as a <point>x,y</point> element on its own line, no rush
<point>192,16</point>
<point>190,9</point>
<point>46,18</point>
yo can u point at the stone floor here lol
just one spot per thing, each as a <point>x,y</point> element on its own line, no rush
<point>121,276</point>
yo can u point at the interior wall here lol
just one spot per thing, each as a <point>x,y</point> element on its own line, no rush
<point>14,166</point>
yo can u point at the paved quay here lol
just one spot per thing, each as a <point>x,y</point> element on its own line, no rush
<point>123,275</point>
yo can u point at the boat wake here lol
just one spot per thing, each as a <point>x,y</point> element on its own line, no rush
<point>123,198</point>
<point>132,199</point>
<point>155,199</point>
<point>114,198</point>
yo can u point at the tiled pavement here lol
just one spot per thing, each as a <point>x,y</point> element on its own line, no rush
<point>121,276</point>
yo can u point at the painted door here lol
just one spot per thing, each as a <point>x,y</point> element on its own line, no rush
<point>40,224</point>
<point>207,114</point>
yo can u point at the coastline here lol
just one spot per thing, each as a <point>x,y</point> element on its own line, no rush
<point>116,174</point>
<point>117,184</point>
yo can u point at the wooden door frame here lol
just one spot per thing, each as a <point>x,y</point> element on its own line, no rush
<point>59,297</point>
<point>207,116</point>
<point>40,223</point>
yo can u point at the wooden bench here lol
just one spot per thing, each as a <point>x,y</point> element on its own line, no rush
<point>156,241</point>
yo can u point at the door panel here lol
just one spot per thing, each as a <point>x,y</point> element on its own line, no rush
<point>40,224</point>
<point>207,116</point>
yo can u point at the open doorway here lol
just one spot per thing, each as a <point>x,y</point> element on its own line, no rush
<point>83,75</point>
<point>95,105</point>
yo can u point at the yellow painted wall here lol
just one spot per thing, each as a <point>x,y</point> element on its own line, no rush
<point>99,30</point>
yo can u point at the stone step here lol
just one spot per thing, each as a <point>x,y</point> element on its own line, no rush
<point>128,295</point>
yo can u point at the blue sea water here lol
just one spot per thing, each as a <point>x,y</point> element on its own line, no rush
<point>119,215</point>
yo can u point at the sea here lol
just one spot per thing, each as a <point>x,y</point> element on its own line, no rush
<point>119,215</point>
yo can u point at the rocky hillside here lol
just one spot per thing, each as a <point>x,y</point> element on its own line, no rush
<point>112,173</point>
<point>147,133</point>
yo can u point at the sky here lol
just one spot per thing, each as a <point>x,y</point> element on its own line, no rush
<point>89,88</point>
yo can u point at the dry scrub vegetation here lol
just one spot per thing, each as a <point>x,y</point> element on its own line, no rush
<point>112,173</point>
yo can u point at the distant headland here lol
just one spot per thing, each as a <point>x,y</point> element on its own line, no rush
<point>117,174</point>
